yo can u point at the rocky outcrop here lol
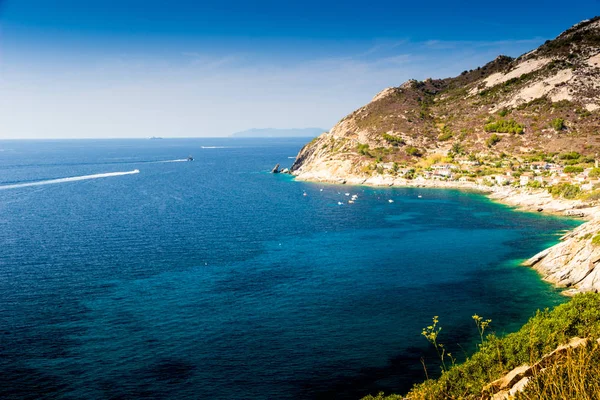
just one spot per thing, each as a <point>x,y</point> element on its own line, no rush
<point>573,263</point>
<point>516,380</point>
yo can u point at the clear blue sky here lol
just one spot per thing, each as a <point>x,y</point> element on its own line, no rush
<point>134,68</point>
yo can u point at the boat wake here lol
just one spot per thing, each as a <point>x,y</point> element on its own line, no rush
<point>214,147</point>
<point>69,179</point>
<point>169,161</point>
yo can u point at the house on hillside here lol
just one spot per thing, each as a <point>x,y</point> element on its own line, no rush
<point>525,178</point>
<point>503,179</point>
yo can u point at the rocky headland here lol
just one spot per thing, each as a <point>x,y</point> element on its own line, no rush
<point>524,130</point>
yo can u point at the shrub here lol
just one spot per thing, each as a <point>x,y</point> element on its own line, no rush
<point>594,173</point>
<point>394,140</point>
<point>572,155</point>
<point>565,190</point>
<point>363,149</point>
<point>503,112</point>
<point>413,151</point>
<point>596,240</point>
<point>558,124</point>
<point>492,140</point>
<point>572,169</point>
<point>534,184</point>
<point>457,148</point>
<point>446,134</point>
<point>594,195</point>
<point>496,356</point>
<point>504,126</point>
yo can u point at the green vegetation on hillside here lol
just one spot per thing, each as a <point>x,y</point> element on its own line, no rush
<point>492,140</point>
<point>496,356</point>
<point>572,169</point>
<point>558,124</point>
<point>504,126</point>
<point>565,190</point>
<point>394,140</point>
<point>413,151</point>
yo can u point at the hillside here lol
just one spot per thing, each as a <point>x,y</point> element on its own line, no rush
<point>510,111</point>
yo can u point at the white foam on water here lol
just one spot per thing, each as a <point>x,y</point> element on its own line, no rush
<point>181,160</point>
<point>69,179</point>
<point>213,147</point>
<point>291,157</point>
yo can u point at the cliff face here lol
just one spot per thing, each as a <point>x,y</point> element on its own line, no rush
<point>573,263</point>
<point>528,95</point>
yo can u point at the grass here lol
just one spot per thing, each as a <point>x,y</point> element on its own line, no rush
<point>571,377</point>
<point>575,376</point>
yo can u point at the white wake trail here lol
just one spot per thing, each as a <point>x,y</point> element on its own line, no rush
<point>181,160</point>
<point>70,179</point>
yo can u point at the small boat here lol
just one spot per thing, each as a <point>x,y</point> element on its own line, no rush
<point>350,201</point>
<point>390,201</point>
<point>340,203</point>
<point>190,158</point>
<point>420,196</point>
<point>304,194</point>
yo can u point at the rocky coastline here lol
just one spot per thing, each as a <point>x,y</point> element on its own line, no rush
<point>573,264</point>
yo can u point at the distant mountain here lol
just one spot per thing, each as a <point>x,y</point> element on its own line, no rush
<point>273,132</point>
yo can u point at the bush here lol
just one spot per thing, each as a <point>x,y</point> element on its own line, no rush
<point>594,195</point>
<point>572,155</point>
<point>457,148</point>
<point>413,151</point>
<point>572,169</point>
<point>534,184</point>
<point>565,190</point>
<point>594,173</point>
<point>596,240</point>
<point>558,124</point>
<point>497,356</point>
<point>394,140</point>
<point>492,140</point>
<point>503,112</point>
<point>363,149</point>
<point>504,126</point>
<point>446,134</point>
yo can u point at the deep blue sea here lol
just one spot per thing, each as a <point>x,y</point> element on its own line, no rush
<point>216,279</point>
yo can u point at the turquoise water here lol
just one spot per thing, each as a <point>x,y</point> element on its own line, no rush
<point>216,279</point>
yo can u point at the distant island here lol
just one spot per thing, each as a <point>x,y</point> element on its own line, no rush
<point>274,132</point>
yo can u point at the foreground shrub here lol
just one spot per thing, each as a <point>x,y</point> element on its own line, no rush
<point>540,335</point>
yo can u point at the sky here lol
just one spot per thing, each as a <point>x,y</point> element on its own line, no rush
<point>175,68</point>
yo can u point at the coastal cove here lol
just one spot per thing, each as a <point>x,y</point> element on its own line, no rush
<point>215,278</point>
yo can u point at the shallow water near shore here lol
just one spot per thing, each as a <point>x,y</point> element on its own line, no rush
<point>216,279</point>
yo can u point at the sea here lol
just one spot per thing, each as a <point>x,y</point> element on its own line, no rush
<point>128,272</point>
